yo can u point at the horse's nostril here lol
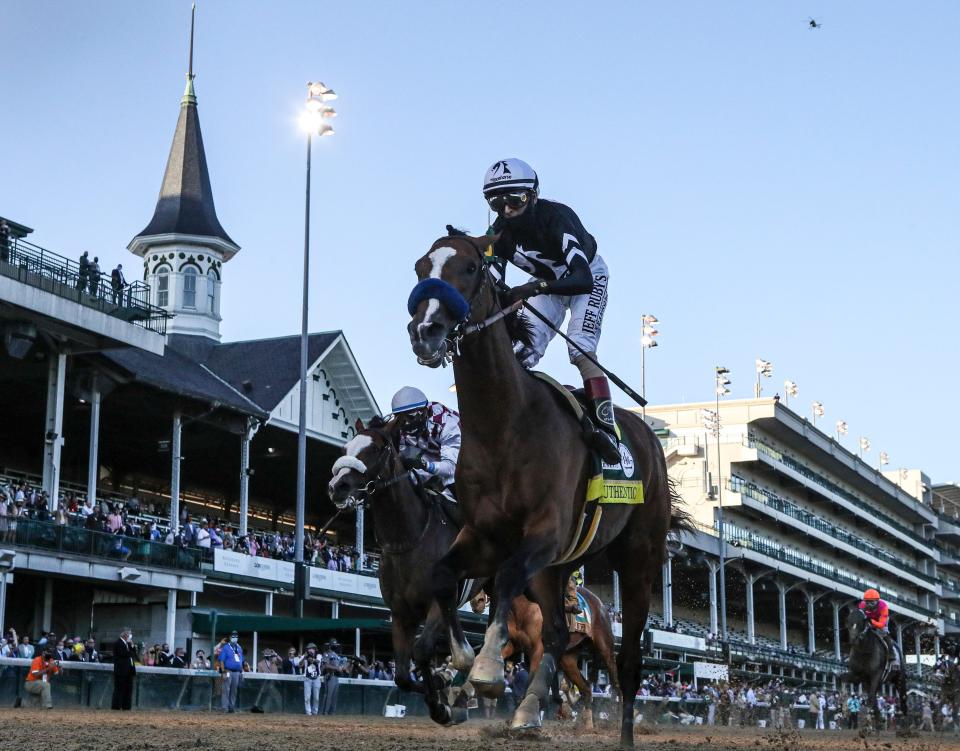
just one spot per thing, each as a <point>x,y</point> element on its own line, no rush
<point>431,330</point>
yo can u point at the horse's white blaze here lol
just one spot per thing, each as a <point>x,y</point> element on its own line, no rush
<point>438,258</point>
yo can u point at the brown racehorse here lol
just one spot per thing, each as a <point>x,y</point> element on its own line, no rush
<point>521,480</point>
<point>412,530</point>
<point>525,623</point>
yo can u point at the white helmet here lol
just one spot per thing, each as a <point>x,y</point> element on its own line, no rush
<point>510,174</point>
<point>407,399</point>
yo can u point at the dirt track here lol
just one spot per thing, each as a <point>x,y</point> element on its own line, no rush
<point>75,730</point>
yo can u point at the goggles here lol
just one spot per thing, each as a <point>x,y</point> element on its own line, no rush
<point>513,200</point>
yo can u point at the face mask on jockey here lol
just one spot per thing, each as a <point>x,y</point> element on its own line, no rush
<point>412,421</point>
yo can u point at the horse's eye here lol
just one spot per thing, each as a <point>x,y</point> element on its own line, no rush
<point>472,268</point>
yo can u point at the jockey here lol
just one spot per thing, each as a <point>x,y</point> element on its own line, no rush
<point>429,438</point>
<point>547,240</point>
<point>878,613</point>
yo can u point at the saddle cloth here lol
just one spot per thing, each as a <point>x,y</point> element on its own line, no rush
<point>582,622</point>
<point>608,484</point>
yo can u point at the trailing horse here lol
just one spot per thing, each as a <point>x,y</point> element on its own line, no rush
<point>413,530</point>
<point>525,623</point>
<point>867,664</point>
<point>522,480</point>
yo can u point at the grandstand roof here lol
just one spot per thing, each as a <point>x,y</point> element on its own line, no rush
<point>179,374</point>
<point>185,205</point>
<point>266,369</point>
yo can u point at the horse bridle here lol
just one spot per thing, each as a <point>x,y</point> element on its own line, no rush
<point>450,347</point>
<point>364,495</point>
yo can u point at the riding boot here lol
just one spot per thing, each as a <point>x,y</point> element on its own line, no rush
<point>605,440</point>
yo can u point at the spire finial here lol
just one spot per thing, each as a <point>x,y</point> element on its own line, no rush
<point>189,97</point>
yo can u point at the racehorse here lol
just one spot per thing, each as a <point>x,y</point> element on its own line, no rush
<point>411,527</point>
<point>867,664</point>
<point>525,623</point>
<point>522,480</point>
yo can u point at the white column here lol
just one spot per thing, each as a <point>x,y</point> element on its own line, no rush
<point>359,545</point>
<point>171,632</point>
<point>836,630</point>
<point>356,642</point>
<point>93,462</point>
<point>47,620</point>
<point>245,439</point>
<point>667,592</point>
<point>712,582</point>
<point>616,593</point>
<point>751,637</point>
<point>811,633</point>
<point>916,647</point>
<point>900,637</point>
<point>3,600</point>
<point>175,471</point>
<point>268,606</point>
<point>256,649</point>
<point>782,609</point>
<point>335,609</point>
<point>936,646</point>
<point>53,426</point>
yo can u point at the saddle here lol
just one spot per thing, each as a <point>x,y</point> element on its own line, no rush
<point>619,484</point>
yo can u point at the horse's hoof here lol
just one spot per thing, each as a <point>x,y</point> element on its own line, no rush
<point>459,715</point>
<point>527,717</point>
<point>492,690</point>
<point>588,719</point>
<point>486,672</point>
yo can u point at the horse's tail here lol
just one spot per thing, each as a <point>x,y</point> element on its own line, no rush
<point>680,519</point>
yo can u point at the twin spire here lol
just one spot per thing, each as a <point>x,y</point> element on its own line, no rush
<point>185,205</point>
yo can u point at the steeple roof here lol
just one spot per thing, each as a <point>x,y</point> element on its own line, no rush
<point>185,205</point>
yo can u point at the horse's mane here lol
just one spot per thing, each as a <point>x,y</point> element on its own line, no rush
<point>519,327</point>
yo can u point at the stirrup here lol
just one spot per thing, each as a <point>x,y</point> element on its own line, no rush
<point>605,445</point>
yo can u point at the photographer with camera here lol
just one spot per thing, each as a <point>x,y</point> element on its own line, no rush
<point>42,669</point>
<point>310,666</point>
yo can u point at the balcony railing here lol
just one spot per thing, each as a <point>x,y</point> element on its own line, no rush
<point>738,537</point>
<point>749,489</point>
<point>46,270</point>
<point>63,538</point>
<point>764,448</point>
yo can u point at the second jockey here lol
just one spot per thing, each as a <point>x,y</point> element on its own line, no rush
<point>429,438</point>
<point>878,613</point>
<point>548,240</point>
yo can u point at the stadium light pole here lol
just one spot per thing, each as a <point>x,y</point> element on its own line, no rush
<point>789,389</point>
<point>817,412</point>
<point>765,369</point>
<point>841,429</point>
<point>315,113</point>
<point>647,341</point>
<point>884,459</point>
<point>864,444</point>
<point>722,381</point>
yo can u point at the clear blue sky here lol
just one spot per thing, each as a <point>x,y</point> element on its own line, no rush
<point>764,189</point>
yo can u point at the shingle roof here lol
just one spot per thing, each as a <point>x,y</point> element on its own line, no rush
<point>178,374</point>
<point>186,205</point>
<point>266,369</point>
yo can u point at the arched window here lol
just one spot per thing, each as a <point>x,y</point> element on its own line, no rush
<point>163,287</point>
<point>190,287</point>
<point>211,291</point>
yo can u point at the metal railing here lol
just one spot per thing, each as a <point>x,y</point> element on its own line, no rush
<point>767,498</point>
<point>67,538</point>
<point>768,450</point>
<point>738,537</point>
<point>51,272</point>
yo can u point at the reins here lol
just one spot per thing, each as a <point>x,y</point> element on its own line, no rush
<point>379,484</point>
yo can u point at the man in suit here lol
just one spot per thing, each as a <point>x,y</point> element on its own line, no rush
<point>124,654</point>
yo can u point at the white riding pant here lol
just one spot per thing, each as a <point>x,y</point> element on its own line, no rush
<point>586,317</point>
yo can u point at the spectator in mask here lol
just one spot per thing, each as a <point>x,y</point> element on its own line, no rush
<point>179,659</point>
<point>201,662</point>
<point>124,655</point>
<point>312,680</point>
<point>42,669</point>
<point>90,653</point>
<point>231,666</point>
